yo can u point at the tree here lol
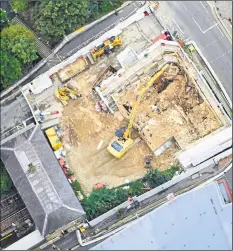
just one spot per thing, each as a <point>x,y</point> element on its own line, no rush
<point>77,187</point>
<point>136,188</point>
<point>93,10</point>
<point>20,42</point>
<point>109,5</point>
<point>5,180</point>
<point>102,200</point>
<point>19,5</point>
<point>10,69</point>
<point>58,18</point>
<point>155,177</point>
<point>4,19</point>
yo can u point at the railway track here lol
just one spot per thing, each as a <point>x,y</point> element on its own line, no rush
<point>9,200</point>
<point>11,205</point>
<point>17,217</point>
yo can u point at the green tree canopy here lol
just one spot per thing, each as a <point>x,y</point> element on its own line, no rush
<point>108,5</point>
<point>19,5</point>
<point>4,19</point>
<point>20,42</point>
<point>10,69</point>
<point>102,200</point>
<point>57,18</point>
<point>5,180</point>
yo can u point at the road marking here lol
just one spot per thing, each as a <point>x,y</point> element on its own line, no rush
<point>213,42</point>
<point>197,24</point>
<point>228,182</point>
<point>221,56</point>
<point>203,32</point>
<point>177,26</point>
<point>220,31</point>
<point>204,7</point>
<point>81,29</point>
<point>216,24</point>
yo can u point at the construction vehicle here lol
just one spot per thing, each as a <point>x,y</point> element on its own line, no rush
<point>53,138</point>
<point>65,93</point>
<point>121,143</point>
<point>106,47</point>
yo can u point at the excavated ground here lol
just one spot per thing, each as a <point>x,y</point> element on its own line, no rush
<point>183,115</point>
<point>87,133</point>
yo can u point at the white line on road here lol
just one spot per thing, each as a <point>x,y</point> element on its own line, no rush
<point>197,24</point>
<point>213,42</point>
<point>211,27</point>
<point>177,26</point>
<point>221,56</point>
<point>204,7</point>
<point>216,24</point>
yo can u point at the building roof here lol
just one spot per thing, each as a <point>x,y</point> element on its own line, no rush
<point>15,114</point>
<point>196,220</point>
<point>46,192</point>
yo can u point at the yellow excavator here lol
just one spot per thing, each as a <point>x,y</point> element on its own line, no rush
<point>65,93</point>
<point>106,47</point>
<point>123,141</point>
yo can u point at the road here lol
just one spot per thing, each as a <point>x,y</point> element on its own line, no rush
<point>195,20</point>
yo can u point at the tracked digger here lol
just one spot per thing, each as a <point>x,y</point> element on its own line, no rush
<point>122,140</point>
<point>64,94</point>
<point>106,47</point>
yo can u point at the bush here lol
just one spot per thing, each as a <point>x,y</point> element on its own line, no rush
<point>19,5</point>
<point>77,187</point>
<point>3,18</point>
<point>69,172</point>
<point>120,213</point>
<point>102,200</point>
<point>5,180</point>
<point>136,188</point>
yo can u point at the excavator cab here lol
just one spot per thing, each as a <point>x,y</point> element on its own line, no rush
<point>119,146</point>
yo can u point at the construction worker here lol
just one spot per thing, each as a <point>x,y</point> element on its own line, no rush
<point>148,160</point>
<point>133,201</point>
<point>155,108</point>
<point>127,107</point>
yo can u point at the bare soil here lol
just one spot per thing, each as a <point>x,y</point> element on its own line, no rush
<point>183,115</point>
<point>87,142</point>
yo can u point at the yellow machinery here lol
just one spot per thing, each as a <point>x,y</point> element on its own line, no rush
<point>53,138</point>
<point>119,145</point>
<point>65,93</point>
<point>106,47</point>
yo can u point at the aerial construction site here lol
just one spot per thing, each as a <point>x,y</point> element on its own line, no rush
<point>182,117</point>
<point>135,103</point>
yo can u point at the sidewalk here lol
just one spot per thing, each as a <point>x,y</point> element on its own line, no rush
<point>224,12</point>
<point>164,16</point>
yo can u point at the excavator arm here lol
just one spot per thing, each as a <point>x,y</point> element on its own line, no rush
<point>127,133</point>
<point>119,145</point>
